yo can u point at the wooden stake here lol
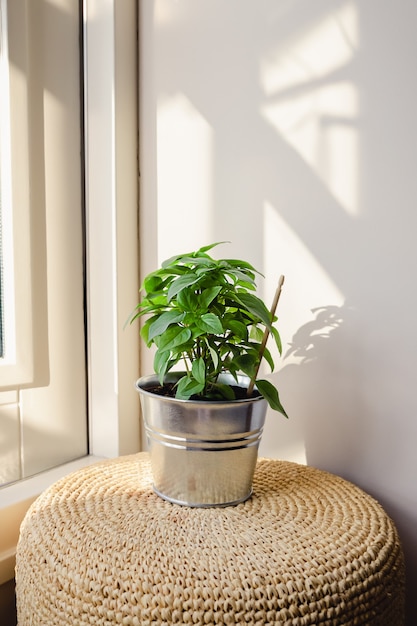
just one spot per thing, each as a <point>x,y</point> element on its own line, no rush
<point>266,335</point>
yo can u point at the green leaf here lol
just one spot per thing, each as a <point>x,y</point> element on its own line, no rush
<point>187,387</point>
<point>144,331</point>
<point>187,300</point>
<point>270,393</point>
<point>242,264</point>
<point>154,302</point>
<point>196,332</point>
<point>225,391</point>
<point>238,328</point>
<point>173,337</point>
<point>255,305</point>
<point>246,363</point>
<point>256,333</point>
<point>246,285</point>
<point>277,338</point>
<point>181,283</point>
<point>210,323</point>
<point>212,245</point>
<point>198,371</point>
<point>194,261</point>
<point>227,348</point>
<point>207,296</point>
<point>171,262</point>
<point>238,276</point>
<point>190,257</point>
<point>161,323</point>
<point>148,305</point>
<point>268,358</point>
<point>152,283</point>
<point>213,354</point>
<point>162,363</point>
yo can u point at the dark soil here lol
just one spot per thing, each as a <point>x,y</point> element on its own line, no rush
<point>168,390</point>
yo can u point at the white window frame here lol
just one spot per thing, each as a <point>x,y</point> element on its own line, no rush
<point>112,222</point>
<point>111,148</point>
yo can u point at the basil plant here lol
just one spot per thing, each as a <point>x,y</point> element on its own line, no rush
<point>204,314</point>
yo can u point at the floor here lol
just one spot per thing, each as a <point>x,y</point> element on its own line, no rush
<point>7,604</point>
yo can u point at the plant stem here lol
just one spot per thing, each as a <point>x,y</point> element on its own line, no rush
<point>187,369</point>
<point>266,335</point>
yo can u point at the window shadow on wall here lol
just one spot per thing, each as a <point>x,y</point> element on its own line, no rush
<point>310,111</point>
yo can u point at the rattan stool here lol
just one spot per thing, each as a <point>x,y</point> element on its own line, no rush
<point>100,548</point>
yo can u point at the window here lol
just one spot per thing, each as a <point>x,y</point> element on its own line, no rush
<point>43,402</point>
<point>111,234</point>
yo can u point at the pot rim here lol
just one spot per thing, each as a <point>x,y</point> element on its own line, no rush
<point>243,381</point>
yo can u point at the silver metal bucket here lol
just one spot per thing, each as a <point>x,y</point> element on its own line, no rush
<point>202,453</point>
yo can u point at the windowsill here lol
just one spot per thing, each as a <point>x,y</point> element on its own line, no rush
<point>15,499</point>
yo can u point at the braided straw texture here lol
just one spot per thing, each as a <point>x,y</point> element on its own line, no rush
<point>99,547</point>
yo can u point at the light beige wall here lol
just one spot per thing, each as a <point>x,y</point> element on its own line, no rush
<point>290,130</point>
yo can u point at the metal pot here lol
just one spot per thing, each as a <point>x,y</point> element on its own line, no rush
<point>203,453</point>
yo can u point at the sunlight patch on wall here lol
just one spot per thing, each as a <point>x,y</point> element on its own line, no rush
<point>166,11</point>
<point>307,285</point>
<point>184,174</point>
<point>313,105</point>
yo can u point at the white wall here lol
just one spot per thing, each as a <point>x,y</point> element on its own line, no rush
<point>289,128</point>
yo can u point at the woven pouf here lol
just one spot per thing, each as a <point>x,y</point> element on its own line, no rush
<point>99,547</point>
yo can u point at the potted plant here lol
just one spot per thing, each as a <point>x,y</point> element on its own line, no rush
<point>204,422</point>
